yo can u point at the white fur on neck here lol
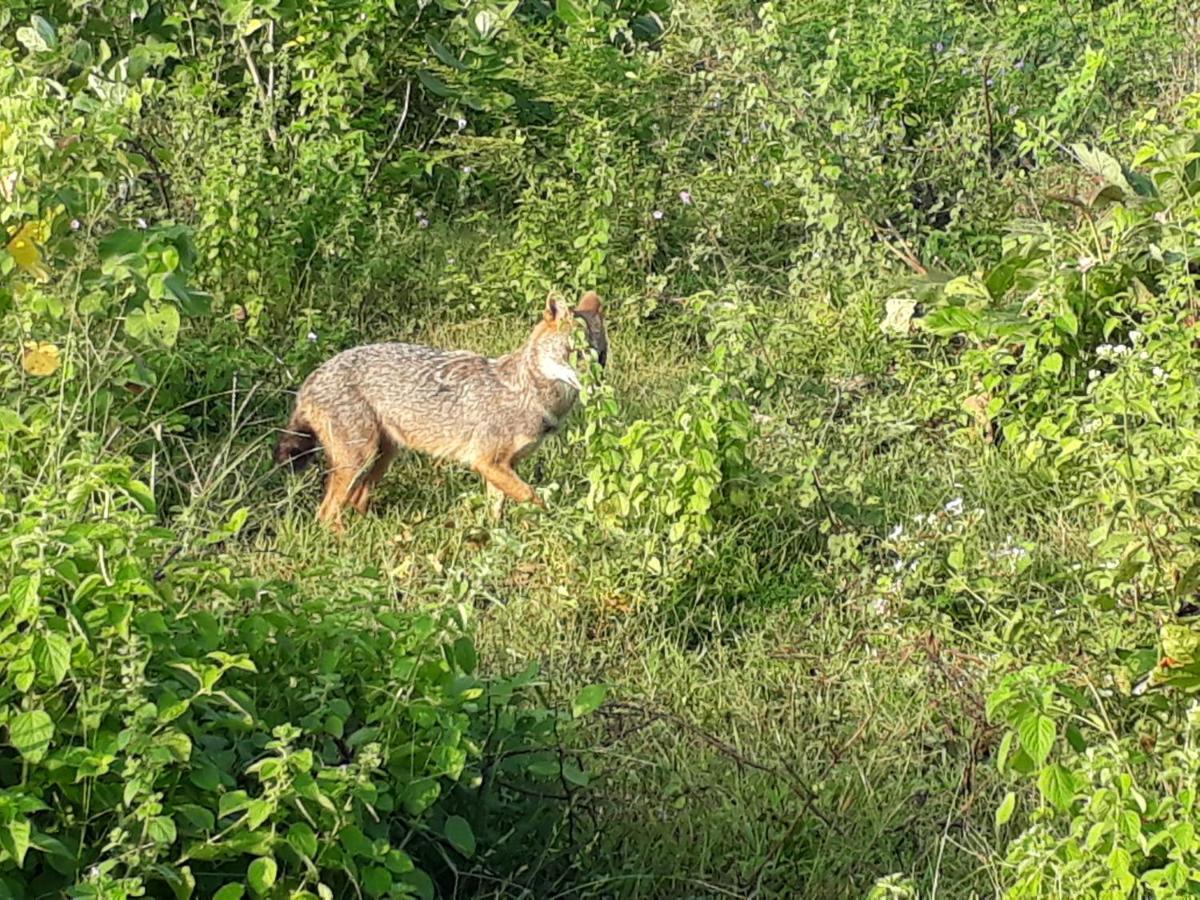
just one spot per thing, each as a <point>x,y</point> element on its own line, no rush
<point>556,371</point>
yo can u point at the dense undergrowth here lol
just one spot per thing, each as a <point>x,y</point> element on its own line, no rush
<point>870,566</point>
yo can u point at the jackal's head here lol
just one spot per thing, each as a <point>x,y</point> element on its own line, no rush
<point>553,341</point>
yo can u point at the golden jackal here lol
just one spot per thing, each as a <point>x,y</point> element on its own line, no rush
<point>367,403</point>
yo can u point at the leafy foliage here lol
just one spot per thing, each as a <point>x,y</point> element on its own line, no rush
<point>851,528</point>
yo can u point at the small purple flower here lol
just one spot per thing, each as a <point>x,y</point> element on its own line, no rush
<point>991,82</point>
<point>76,224</point>
<point>423,222</point>
<point>1019,64</point>
<point>658,214</point>
<point>462,123</point>
<point>685,198</point>
<point>1013,110</point>
<point>768,183</point>
<point>467,170</point>
<point>939,47</point>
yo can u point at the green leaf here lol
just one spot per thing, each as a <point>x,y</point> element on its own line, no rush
<point>261,874</point>
<point>302,839</point>
<point>45,31</point>
<point>1057,785</point>
<point>1036,732</point>
<point>30,734</point>
<point>161,830</point>
<point>1067,322</point>
<point>23,594</point>
<point>1100,163</point>
<point>14,838</point>
<point>122,242</point>
<point>232,802</point>
<point>1052,364</point>
<point>377,881</point>
<point>570,12</point>
<point>433,84</point>
<point>230,892</point>
<point>419,882</point>
<point>52,656</point>
<point>442,52</point>
<point>1005,810</point>
<point>154,323</point>
<point>464,654</point>
<point>588,700</point>
<point>420,795</point>
<point>459,834</point>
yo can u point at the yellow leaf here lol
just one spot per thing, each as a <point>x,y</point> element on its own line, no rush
<point>40,358</point>
<point>25,252</point>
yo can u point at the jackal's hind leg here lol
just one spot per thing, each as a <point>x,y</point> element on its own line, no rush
<point>496,498</point>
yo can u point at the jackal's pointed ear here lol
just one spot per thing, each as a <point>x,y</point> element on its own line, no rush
<point>589,302</point>
<point>556,308</point>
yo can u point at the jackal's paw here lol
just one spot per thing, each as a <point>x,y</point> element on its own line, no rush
<point>538,502</point>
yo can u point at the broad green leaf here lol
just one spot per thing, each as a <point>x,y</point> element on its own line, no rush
<point>52,656</point>
<point>459,834</point>
<point>1036,732</point>
<point>122,242</point>
<point>154,323</point>
<point>14,838</point>
<point>1051,364</point>
<point>420,795</point>
<point>261,874</point>
<point>231,892</point>
<point>161,830</point>
<point>588,700</point>
<point>1100,163</point>
<point>302,839</point>
<point>1057,785</point>
<point>30,734</point>
<point>23,594</point>
<point>377,881</point>
<point>572,12</point>
<point>464,654</point>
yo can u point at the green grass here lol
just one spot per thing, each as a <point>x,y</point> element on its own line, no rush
<point>772,728</point>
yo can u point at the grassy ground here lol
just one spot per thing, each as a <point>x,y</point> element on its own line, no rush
<point>784,727</point>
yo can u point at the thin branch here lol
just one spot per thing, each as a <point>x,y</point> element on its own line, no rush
<point>395,137</point>
<point>263,95</point>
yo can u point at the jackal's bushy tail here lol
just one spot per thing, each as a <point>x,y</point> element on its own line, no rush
<point>296,444</point>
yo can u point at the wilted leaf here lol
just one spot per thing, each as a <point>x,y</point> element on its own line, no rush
<point>22,246</point>
<point>40,358</point>
<point>898,315</point>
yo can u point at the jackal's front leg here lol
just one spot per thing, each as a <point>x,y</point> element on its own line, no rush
<point>502,480</point>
